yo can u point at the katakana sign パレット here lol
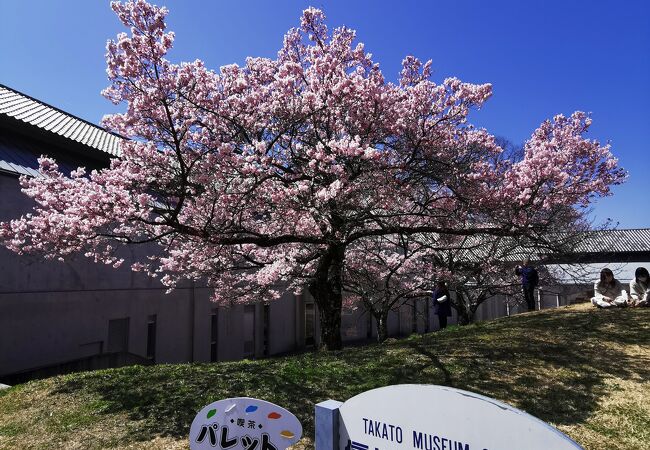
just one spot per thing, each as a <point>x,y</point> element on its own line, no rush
<point>244,424</point>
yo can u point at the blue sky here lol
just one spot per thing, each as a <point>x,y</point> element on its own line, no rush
<point>543,58</point>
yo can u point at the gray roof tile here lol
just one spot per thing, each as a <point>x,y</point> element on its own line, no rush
<point>587,245</point>
<point>56,120</point>
<point>44,118</point>
<point>34,112</point>
<point>634,240</point>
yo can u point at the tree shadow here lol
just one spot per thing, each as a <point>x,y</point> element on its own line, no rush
<point>553,366</point>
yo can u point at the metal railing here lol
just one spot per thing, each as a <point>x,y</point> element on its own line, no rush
<point>541,292</point>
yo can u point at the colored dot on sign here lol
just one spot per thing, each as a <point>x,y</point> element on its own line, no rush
<point>211,413</point>
<point>287,434</point>
<point>251,408</point>
<point>274,415</point>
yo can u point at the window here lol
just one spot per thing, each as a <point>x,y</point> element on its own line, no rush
<point>249,331</point>
<point>414,317</point>
<point>369,326</point>
<point>267,326</point>
<point>214,334</point>
<point>118,335</point>
<point>151,337</point>
<point>309,324</point>
<point>427,315</point>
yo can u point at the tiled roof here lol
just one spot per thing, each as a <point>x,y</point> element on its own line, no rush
<point>590,246</point>
<point>33,112</point>
<point>619,241</point>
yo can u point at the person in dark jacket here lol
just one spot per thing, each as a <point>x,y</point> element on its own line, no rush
<point>441,303</point>
<point>529,280</point>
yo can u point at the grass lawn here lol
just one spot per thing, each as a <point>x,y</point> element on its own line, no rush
<point>586,371</point>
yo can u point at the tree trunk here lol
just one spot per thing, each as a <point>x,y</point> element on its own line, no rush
<point>327,289</point>
<point>382,327</point>
<point>464,318</point>
<point>465,315</point>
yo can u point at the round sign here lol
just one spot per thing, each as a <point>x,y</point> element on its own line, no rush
<point>244,423</point>
<point>429,417</point>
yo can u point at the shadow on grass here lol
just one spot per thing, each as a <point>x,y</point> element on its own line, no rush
<point>552,364</point>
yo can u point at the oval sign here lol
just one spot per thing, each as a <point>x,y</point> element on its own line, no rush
<point>244,423</point>
<point>428,417</point>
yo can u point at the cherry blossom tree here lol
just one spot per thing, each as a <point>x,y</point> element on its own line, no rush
<point>477,268</point>
<point>383,273</point>
<point>480,267</point>
<point>267,174</point>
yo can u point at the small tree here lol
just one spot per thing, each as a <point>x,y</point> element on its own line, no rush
<point>385,272</point>
<point>267,174</point>
<point>475,282</point>
<point>481,267</point>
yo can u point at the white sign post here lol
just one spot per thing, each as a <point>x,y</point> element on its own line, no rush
<point>428,417</point>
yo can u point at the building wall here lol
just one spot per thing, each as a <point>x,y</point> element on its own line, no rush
<point>53,311</point>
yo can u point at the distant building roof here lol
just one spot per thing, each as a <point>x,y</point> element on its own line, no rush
<point>631,240</point>
<point>597,246</point>
<point>602,246</point>
<point>33,112</point>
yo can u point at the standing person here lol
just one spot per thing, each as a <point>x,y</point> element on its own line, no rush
<point>529,280</point>
<point>639,287</point>
<point>608,291</point>
<point>442,303</point>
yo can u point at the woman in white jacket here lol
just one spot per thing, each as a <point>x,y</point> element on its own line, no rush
<point>608,291</point>
<point>639,287</point>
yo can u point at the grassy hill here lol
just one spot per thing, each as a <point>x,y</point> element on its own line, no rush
<point>586,371</point>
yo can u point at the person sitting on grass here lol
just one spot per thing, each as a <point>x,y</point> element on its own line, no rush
<point>608,291</point>
<point>639,287</point>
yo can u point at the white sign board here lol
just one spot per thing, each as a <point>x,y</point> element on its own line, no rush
<point>429,417</point>
<point>244,423</point>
